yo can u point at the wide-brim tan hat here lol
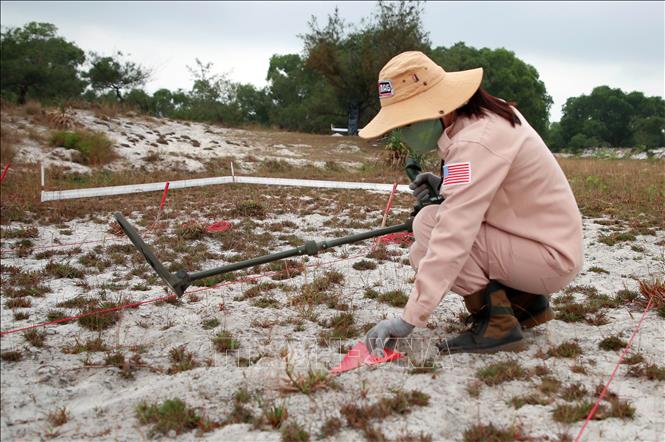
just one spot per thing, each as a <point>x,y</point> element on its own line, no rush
<point>413,88</point>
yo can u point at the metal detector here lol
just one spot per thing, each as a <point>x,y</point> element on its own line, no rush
<point>182,279</point>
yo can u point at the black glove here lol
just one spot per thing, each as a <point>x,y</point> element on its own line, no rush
<point>420,186</point>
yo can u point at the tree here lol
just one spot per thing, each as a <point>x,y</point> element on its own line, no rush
<point>649,131</point>
<point>254,104</point>
<point>504,76</point>
<point>112,73</point>
<point>555,140</point>
<point>301,99</point>
<point>36,62</point>
<point>611,117</point>
<point>140,100</point>
<point>209,87</point>
<point>350,59</point>
<point>212,98</point>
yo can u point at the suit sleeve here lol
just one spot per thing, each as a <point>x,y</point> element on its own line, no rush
<point>457,224</point>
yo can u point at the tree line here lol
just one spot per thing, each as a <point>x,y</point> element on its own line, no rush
<point>333,81</point>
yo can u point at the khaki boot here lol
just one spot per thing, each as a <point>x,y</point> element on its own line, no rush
<point>494,327</point>
<point>530,309</point>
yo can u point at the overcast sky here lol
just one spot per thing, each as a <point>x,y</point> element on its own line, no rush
<point>575,46</point>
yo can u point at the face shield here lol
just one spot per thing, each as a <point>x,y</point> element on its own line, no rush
<point>422,137</point>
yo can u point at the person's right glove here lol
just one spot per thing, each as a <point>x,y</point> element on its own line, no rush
<point>420,185</point>
<point>384,334</point>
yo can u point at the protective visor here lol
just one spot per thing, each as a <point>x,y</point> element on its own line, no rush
<point>422,137</point>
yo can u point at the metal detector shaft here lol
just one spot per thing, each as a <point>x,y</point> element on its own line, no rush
<point>179,281</point>
<point>309,248</point>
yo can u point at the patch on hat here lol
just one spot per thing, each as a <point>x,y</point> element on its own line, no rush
<point>385,89</point>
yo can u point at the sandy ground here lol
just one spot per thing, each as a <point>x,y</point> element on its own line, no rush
<point>150,144</point>
<point>101,402</point>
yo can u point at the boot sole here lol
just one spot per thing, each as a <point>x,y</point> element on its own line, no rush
<point>537,319</point>
<point>516,346</point>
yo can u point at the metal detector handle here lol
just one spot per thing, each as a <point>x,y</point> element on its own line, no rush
<point>413,169</point>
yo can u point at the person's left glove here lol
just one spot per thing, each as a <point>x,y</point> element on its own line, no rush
<point>422,184</point>
<point>384,334</point>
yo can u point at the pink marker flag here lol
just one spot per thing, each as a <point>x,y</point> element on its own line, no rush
<point>360,355</point>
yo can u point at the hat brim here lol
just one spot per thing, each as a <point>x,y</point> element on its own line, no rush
<point>441,99</point>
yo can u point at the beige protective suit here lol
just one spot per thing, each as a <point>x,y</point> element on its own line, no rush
<point>509,215</point>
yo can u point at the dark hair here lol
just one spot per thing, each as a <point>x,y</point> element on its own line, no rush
<point>481,102</point>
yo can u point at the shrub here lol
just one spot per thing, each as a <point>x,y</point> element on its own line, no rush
<point>181,360</point>
<point>612,343</point>
<point>58,417</point>
<point>20,232</point>
<point>568,349</point>
<point>12,356</point>
<point>293,432</point>
<point>364,264</point>
<point>35,337</point>
<point>572,413</point>
<point>479,432</point>
<point>331,427</point>
<point>100,316</point>
<point>307,383</point>
<point>342,326</point>
<point>253,209</point>
<point>60,270</point>
<point>94,147</point>
<point>170,415</point>
<point>395,151</point>
<point>500,372</point>
<point>401,403</point>
<point>652,372</point>
<point>396,298</point>
<point>224,341</point>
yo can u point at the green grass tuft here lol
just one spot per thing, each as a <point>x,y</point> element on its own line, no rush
<point>171,415</point>
<point>364,264</point>
<point>225,341</point>
<point>94,148</point>
<point>612,343</point>
<point>500,372</point>
<point>569,349</point>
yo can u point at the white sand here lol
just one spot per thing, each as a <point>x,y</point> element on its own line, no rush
<point>145,143</point>
<point>100,401</point>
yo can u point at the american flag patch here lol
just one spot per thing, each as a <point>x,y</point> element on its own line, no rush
<point>458,173</point>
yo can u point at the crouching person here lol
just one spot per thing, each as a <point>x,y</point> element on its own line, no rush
<point>508,232</point>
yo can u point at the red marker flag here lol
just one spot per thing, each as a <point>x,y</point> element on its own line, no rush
<point>4,172</point>
<point>166,190</point>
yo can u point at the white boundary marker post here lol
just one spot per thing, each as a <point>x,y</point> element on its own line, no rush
<point>41,189</point>
<point>152,187</point>
<point>233,174</point>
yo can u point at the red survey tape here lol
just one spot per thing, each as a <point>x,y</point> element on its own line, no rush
<point>219,226</point>
<point>360,355</point>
